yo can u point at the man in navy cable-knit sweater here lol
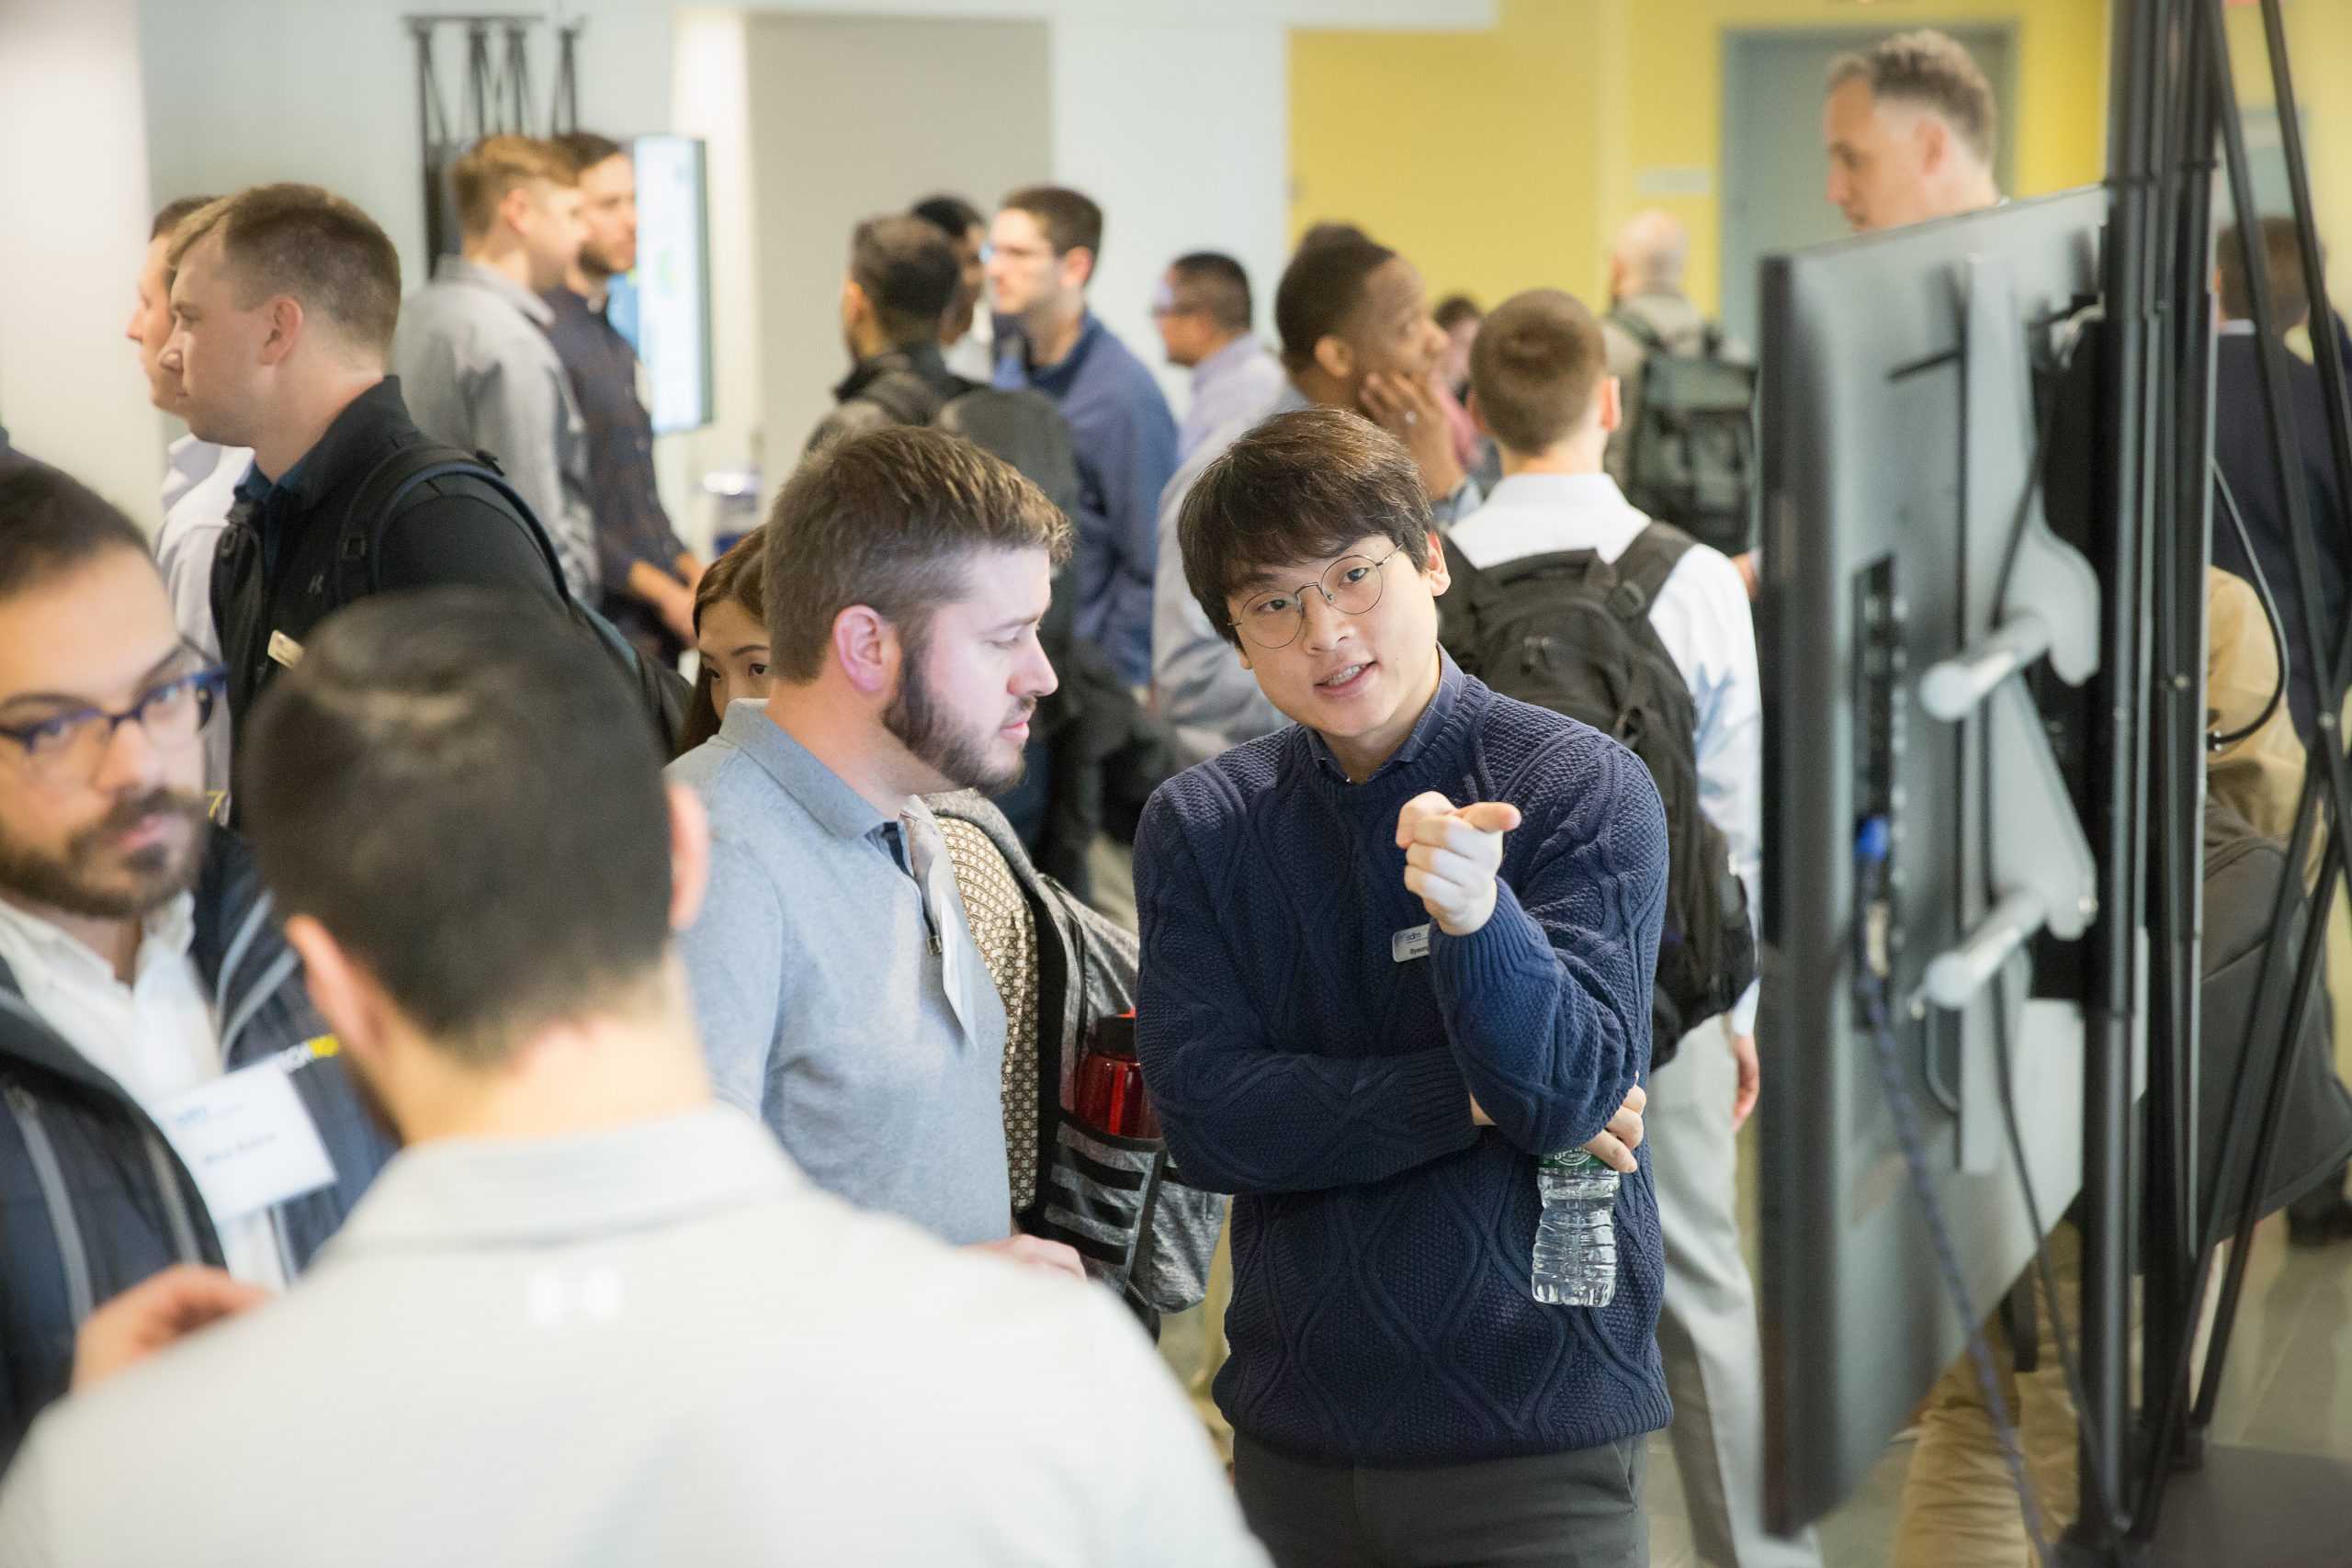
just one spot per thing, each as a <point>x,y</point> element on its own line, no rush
<point>1393,954</point>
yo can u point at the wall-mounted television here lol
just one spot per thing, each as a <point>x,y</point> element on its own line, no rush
<point>663,307</point>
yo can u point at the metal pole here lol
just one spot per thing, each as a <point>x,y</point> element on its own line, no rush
<point>2118,765</point>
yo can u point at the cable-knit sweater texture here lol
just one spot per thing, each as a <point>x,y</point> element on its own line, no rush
<point>1381,1313</point>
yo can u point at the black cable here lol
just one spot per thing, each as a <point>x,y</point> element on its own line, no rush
<point>1873,982</point>
<point>2215,743</point>
<point>2069,1364</point>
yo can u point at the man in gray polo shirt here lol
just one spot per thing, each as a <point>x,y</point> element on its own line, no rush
<point>840,994</point>
<point>472,353</point>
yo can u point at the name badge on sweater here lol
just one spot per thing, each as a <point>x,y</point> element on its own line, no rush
<point>285,650</point>
<point>1412,942</point>
<point>247,1140</point>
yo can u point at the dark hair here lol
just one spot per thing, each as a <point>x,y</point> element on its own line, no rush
<point>887,519</point>
<point>1071,221</point>
<point>1535,365</point>
<point>1932,71</point>
<point>1455,310</point>
<point>1329,230</point>
<point>951,215</point>
<point>176,212</point>
<point>733,578</point>
<point>50,522</point>
<point>310,243</point>
<point>585,149</point>
<point>1298,486</point>
<point>1215,285</point>
<point>2282,267</point>
<point>460,789</point>
<point>908,272</point>
<point>1320,292</point>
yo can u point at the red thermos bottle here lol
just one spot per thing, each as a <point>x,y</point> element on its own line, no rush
<point>1109,1089</point>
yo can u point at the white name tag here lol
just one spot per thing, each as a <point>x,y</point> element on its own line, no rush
<point>247,1140</point>
<point>285,650</point>
<point>1412,942</point>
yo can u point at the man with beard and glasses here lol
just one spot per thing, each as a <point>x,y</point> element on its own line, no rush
<point>145,989</point>
<point>840,993</point>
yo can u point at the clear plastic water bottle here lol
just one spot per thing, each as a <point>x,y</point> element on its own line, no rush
<point>1576,1245</point>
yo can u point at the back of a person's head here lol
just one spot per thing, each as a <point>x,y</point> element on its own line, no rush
<point>50,523</point>
<point>1215,285</point>
<point>2282,259</point>
<point>1298,486</point>
<point>1070,219</point>
<point>583,150</point>
<point>951,215</point>
<point>497,164</point>
<point>890,520</point>
<point>1320,292</point>
<point>908,272</point>
<point>1652,251</point>
<point>461,790</point>
<point>173,213</point>
<point>1931,71</point>
<point>1330,230</point>
<point>1535,369</point>
<point>1456,311</point>
<point>311,245</point>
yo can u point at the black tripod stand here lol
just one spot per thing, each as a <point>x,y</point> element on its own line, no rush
<point>2173,97</point>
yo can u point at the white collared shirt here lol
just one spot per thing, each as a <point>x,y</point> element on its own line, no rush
<point>1701,617</point>
<point>199,486</point>
<point>156,1037</point>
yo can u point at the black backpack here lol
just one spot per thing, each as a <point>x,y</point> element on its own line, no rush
<point>1026,428</point>
<point>1570,632</point>
<point>1690,441</point>
<point>662,692</point>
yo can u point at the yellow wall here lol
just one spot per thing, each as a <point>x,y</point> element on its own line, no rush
<point>1501,160</point>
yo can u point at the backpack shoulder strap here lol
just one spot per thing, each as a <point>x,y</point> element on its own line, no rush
<point>384,494</point>
<point>1474,583</point>
<point>1646,565</point>
<point>1639,330</point>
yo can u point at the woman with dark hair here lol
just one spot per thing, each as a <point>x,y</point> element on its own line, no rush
<point>730,640</point>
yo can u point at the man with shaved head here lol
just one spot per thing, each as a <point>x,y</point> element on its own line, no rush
<point>1647,302</point>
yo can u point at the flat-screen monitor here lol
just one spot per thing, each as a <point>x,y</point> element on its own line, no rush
<point>663,307</point>
<point>1898,417</point>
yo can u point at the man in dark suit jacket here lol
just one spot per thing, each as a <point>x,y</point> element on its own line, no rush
<point>2242,448</point>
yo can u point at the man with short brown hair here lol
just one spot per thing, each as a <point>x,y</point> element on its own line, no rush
<point>648,573</point>
<point>284,300</point>
<point>840,995</point>
<point>472,350</point>
<point>1044,247</point>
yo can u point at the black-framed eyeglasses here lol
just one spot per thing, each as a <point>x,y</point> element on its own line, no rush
<point>66,748</point>
<point>1350,584</point>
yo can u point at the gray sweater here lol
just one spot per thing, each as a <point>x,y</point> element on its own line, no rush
<point>822,1008</point>
<point>477,372</point>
